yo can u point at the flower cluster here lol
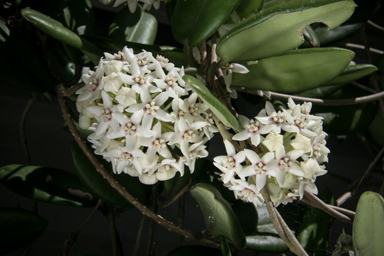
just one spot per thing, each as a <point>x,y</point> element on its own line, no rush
<point>289,150</point>
<point>140,111</point>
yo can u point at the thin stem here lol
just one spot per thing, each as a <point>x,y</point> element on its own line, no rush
<point>73,235</point>
<point>347,212</point>
<point>362,47</point>
<point>325,102</point>
<point>167,203</point>
<point>212,67</point>
<point>343,198</point>
<point>378,27</point>
<point>119,188</point>
<point>137,244</point>
<point>225,134</point>
<point>116,244</point>
<point>316,202</point>
<point>152,227</point>
<point>23,137</point>
<point>180,218</point>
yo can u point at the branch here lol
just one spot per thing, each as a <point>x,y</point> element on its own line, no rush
<point>325,102</point>
<point>314,201</point>
<point>23,138</point>
<point>167,203</point>
<point>119,188</point>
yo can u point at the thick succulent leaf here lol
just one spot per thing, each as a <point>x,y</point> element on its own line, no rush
<point>175,55</point>
<point>346,119</point>
<point>279,28</point>
<point>321,92</point>
<point>18,228</point>
<point>137,27</point>
<point>218,215</point>
<point>368,225</point>
<point>76,15</point>
<point>95,182</point>
<point>214,104</point>
<point>352,73</point>
<point>311,39</point>
<point>328,36</point>
<point>56,30</point>
<point>36,76</point>
<point>313,233</point>
<point>296,71</point>
<point>46,184</point>
<point>194,21</point>
<point>193,250</point>
<point>225,247</point>
<point>247,7</point>
<point>259,230</point>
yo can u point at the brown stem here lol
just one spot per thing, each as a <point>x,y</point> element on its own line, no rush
<point>180,218</point>
<point>325,102</point>
<point>116,244</point>
<point>119,188</point>
<point>152,227</point>
<point>343,198</point>
<point>23,137</point>
<point>281,228</point>
<point>173,199</point>
<point>73,235</point>
<point>137,244</point>
<point>316,202</point>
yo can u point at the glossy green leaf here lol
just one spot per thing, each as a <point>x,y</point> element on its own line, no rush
<point>259,230</point>
<point>76,15</point>
<point>193,250</point>
<point>311,39</point>
<point>346,119</point>
<point>328,36</point>
<point>295,71</point>
<point>218,215</point>
<point>36,76</point>
<point>321,92</point>
<point>368,225</point>
<point>175,55</point>
<point>137,27</point>
<point>56,30</point>
<point>225,247</point>
<point>213,103</point>
<point>95,182</point>
<point>247,7</point>
<point>46,184</point>
<point>18,228</point>
<point>352,73</point>
<point>194,21</point>
<point>279,28</point>
<point>313,233</point>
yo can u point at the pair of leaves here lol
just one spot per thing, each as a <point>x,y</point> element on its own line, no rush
<point>18,228</point>
<point>46,184</point>
<point>280,21</point>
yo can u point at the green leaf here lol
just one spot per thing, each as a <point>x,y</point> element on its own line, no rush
<point>311,39</point>
<point>218,215</point>
<point>56,30</point>
<point>313,233</point>
<point>346,119</point>
<point>295,71</point>
<point>224,247</point>
<point>279,28</point>
<point>194,21</point>
<point>46,184</point>
<point>137,27</point>
<point>368,225</point>
<point>76,15</point>
<point>175,55</point>
<point>247,7</point>
<point>18,228</point>
<point>352,73</point>
<point>259,230</point>
<point>213,103</point>
<point>36,76</point>
<point>95,182</point>
<point>328,36</point>
<point>193,250</point>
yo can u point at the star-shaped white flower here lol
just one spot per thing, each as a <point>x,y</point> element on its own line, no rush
<point>123,158</point>
<point>231,163</point>
<point>252,129</point>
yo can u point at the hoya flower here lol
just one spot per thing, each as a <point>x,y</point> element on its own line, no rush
<point>231,163</point>
<point>252,129</point>
<point>247,192</point>
<point>273,141</point>
<point>122,158</point>
<point>279,120</point>
<point>258,168</point>
<point>228,69</point>
<point>285,162</point>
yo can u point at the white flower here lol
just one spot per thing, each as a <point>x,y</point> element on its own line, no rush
<point>284,163</point>
<point>231,163</point>
<point>122,158</point>
<point>273,141</point>
<point>258,168</point>
<point>227,72</point>
<point>252,129</point>
<point>247,192</point>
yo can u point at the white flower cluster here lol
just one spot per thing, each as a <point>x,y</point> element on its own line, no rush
<point>140,110</point>
<point>288,153</point>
